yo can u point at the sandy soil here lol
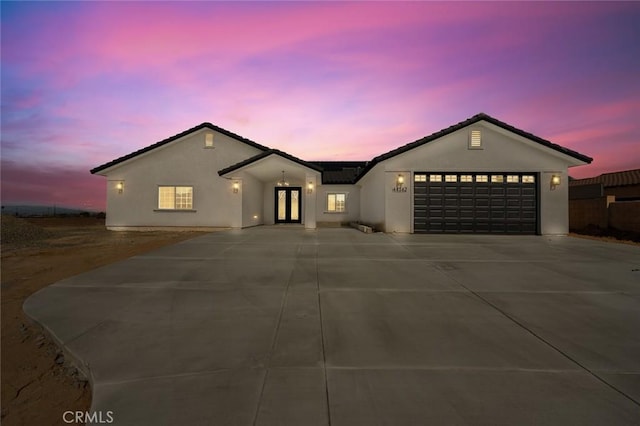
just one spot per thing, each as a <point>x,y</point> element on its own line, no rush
<point>38,384</point>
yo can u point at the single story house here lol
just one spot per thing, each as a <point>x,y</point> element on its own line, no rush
<point>478,176</point>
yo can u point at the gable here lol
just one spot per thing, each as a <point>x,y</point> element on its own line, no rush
<point>499,139</point>
<point>200,129</point>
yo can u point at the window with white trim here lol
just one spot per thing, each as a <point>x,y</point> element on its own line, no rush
<point>337,203</point>
<point>175,197</point>
<point>475,139</point>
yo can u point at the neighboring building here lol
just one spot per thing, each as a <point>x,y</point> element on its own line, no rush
<point>478,176</point>
<point>624,185</point>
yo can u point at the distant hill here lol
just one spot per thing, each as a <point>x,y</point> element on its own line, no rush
<point>31,210</point>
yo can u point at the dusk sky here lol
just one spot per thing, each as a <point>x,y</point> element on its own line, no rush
<point>86,82</point>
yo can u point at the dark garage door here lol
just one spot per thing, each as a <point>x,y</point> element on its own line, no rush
<point>504,203</point>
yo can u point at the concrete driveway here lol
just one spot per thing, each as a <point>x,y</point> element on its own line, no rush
<point>283,326</point>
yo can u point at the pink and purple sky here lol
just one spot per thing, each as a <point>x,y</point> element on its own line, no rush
<point>86,82</point>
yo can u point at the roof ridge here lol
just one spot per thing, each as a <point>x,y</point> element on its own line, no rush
<point>462,124</point>
<point>177,136</point>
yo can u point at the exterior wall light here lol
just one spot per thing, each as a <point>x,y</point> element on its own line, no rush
<point>236,187</point>
<point>400,181</point>
<point>120,187</point>
<point>310,188</point>
<point>555,181</point>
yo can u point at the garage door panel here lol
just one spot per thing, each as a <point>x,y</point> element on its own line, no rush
<point>466,214</point>
<point>459,203</point>
<point>466,202</point>
<point>482,190</point>
<point>482,213</point>
<point>451,190</point>
<point>497,191</point>
<point>466,190</point>
<point>482,203</point>
<point>514,191</point>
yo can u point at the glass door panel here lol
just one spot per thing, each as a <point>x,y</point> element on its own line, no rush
<point>282,205</point>
<point>295,206</point>
<point>288,205</point>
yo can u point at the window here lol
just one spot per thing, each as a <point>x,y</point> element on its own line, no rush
<point>175,197</point>
<point>497,178</point>
<point>528,179</point>
<point>420,178</point>
<point>475,140</point>
<point>435,178</point>
<point>466,178</point>
<point>513,178</point>
<point>482,178</point>
<point>336,203</point>
<point>208,140</point>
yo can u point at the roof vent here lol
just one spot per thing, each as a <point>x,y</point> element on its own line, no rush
<point>475,140</point>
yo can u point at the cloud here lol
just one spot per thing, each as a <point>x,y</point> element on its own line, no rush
<point>84,83</point>
<point>52,186</point>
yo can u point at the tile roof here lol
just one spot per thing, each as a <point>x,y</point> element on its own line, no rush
<point>476,118</point>
<point>623,178</point>
<point>175,137</point>
<point>264,155</point>
<point>340,172</point>
<point>344,172</point>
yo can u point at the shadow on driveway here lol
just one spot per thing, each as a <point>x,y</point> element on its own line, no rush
<point>285,326</point>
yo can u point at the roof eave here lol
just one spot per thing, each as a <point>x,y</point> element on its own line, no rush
<point>205,125</point>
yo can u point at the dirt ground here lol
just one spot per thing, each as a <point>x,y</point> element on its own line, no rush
<point>38,384</point>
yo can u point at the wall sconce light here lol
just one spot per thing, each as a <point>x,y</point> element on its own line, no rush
<point>310,188</point>
<point>400,181</point>
<point>236,187</point>
<point>555,181</point>
<point>120,187</point>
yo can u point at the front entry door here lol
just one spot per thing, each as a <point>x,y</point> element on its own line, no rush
<point>288,205</point>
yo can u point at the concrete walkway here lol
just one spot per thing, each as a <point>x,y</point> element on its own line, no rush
<point>283,326</point>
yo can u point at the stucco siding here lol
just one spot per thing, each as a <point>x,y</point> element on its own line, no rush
<point>500,153</point>
<point>184,162</point>
<point>252,201</point>
<point>352,205</point>
<point>372,197</point>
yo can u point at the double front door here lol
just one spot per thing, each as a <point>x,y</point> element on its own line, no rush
<point>288,205</point>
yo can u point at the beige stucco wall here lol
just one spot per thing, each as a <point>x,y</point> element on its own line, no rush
<point>352,204</point>
<point>181,162</point>
<point>502,152</point>
<point>372,197</point>
<point>252,201</point>
<point>373,200</point>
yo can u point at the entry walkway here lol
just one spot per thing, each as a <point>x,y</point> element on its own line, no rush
<point>277,326</point>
